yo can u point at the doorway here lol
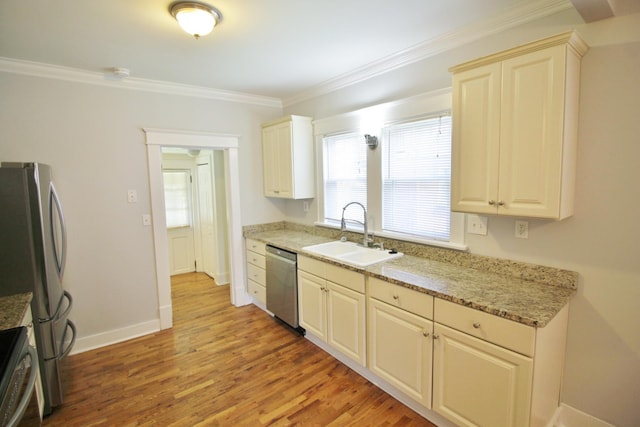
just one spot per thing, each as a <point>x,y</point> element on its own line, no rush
<point>155,140</point>
<point>195,208</point>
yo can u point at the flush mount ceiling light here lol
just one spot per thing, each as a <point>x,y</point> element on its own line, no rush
<point>197,19</point>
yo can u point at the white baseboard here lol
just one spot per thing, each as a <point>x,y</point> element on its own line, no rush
<point>222,278</point>
<point>115,336</point>
<point>567,416</point>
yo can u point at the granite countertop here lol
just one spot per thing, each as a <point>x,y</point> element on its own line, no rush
<point>13,309</point>
<point>525,293</point>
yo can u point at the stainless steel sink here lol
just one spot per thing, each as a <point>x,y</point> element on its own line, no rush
<point>352,253</point>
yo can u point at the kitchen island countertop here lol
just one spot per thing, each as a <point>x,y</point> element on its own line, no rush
<point>530,302</point>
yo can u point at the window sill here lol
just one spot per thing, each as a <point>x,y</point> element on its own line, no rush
<point>403,237</point>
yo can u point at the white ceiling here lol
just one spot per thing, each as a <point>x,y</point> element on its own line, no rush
<point>272,48</point>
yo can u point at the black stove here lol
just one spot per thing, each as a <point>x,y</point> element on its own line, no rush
<point>12,343</point>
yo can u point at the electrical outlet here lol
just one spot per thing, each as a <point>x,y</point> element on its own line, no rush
<point>477,224</point>
<point>132,196</point>
<point>146,219</point>
<point>522,229</point>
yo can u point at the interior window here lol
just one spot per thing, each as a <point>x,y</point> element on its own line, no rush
<point>177,197</point>
<point>416,178</point>
<point>345,174</point>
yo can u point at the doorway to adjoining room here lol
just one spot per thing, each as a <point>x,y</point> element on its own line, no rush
<point>195,208</point>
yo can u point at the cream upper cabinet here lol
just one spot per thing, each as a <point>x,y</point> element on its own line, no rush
<point>331,306</point>
<point>287,150</point>
<point>515,130</point>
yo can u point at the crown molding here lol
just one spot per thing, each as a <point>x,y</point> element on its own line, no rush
<point>528,12</point>
<point>38,69</point>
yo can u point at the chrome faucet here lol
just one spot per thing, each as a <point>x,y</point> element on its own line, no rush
<point>366,240</point>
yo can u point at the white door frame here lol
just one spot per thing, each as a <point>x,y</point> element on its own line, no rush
<point>155,140</point>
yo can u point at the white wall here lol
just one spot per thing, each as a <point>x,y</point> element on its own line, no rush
<point>93,138</point>
<point>602,240</point>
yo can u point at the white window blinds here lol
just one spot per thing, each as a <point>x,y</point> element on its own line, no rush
<point>345,173</point>
<point>416,178</point>
<point>176,198</point>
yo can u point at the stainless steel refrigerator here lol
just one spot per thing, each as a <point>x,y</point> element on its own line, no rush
<point>32,259</point>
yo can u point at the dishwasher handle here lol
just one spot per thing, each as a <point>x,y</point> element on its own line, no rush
<point>281,253</point>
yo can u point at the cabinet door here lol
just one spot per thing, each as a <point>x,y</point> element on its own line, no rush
<point>277,160</point>
<point>270,161</point>
<point>285,160</point>
<point>346,322</point>
<point>532,126</point>
<point>476,139</point>
<point>400,349</point>
<point>312,304</point>
<point>476,383</point>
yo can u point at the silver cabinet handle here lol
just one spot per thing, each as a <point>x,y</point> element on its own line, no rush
<point>492,202</point>
<point>436,336</point>
<point>396,297</point>
<point>476,325</point>
<point>500,203</point>
<point>425,333</point>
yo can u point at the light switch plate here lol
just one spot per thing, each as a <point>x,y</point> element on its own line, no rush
<point>476,224</point>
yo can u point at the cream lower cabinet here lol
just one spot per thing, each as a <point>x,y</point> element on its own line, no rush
<point>479,384</point>
<point>399,341</point>
<point>331,306</point>
<point>256,273</point>
<point>490,371</point>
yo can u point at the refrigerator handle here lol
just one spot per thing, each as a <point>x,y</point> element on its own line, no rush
<point>72,326</point>
<point>60,257</point>
<point>68,310</point>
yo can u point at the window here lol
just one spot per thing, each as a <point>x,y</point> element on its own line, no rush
<point>345,173</point>
<point>404,183</point>
<point>416,178</point>
<point>177,198</point>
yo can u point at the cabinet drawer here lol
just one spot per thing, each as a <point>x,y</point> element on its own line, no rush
<point>347,278</point>
<point>255,246</point>
<point>257,291</point>
<point>342,276</point>
<point>257,274</point>
<point>256,259</point>
<point>499,331</point>
<point>312,266</point>
<point>412,301</point>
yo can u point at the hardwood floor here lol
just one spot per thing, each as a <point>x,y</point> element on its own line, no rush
<point>220,366</point>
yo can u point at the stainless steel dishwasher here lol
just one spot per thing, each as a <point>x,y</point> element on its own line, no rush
<point>282,285</point>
